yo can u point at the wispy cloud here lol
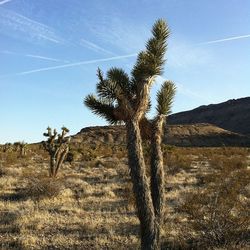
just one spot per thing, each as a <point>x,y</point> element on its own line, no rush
<point>33,56</point>
<point>21,27</point>
<point>182,54</point>
<point>112,30</point>
<point>190,93</point>
<point>94,47</point>
<point>184,90</point>
<point>70,65</point>
<point>225,39</point>
<point>5,1</point>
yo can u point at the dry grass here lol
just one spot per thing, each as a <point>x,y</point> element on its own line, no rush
<point>90,205</point>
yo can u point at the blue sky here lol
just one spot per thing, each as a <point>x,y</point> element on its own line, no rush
<point>50,50</point>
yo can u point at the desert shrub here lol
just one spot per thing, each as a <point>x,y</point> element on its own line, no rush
<point>219,215</point>
<point>228,163</point>
<point>70,157</point>
<point>235,151</point>
<point>79,187</point>
<point>167,147</point>
<point>176,162</point>
<point>3,171</point>
<point>24,161</point>
<point>38,189</point>
<point>222,167</point>
<point>205,152</point>
<point>128,195</point>
<point>90,154</point>
<point>105,150</point>
<point>119,151</point>
<point>74,154</point>
<point>11,158</point>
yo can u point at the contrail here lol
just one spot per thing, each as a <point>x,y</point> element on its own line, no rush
<point>71,65</point>
<point>5,1</point>
<point>45,58</point>
<point>95,47</point>
<point>34,56</point>
<point>225,39</point>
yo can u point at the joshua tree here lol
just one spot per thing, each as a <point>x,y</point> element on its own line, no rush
<point>126,99</point>
<point>21,147</point>
<point>57,146</point>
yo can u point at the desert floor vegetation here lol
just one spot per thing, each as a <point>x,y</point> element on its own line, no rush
<point>90,204</point>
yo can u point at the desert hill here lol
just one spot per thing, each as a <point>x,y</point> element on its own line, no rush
<point>226,123</point>
<point>232,115</point>
<point>178,135</point>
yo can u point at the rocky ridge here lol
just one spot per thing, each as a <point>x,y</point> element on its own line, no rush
<point>232,115</point>
<point>197,135</point>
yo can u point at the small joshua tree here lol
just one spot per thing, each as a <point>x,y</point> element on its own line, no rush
<point>20,147</point>
<point>23,148</point>
<point>57,146</point>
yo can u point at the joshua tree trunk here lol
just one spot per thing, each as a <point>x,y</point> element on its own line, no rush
<point>157,173</point>
<point>23,151</point>
<point>57,160</point>
<point>52,166</point>
<point>62,154</point>
<point>144,204</point>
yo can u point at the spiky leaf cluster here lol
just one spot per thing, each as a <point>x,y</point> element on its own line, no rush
<point>165,98</point>
<point>118,95</point>
<point>55,140</point>
<point>151,61</point>
<point>101,107</point>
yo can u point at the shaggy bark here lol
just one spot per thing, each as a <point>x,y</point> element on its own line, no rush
<point>141,188</point>
<point>157,173</point>
<point>52,167</point>
<point>62,155</point>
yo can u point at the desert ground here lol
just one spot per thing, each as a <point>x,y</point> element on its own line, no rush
<point>90,204</point>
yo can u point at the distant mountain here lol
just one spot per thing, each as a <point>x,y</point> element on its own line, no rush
<point>232,115</point>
